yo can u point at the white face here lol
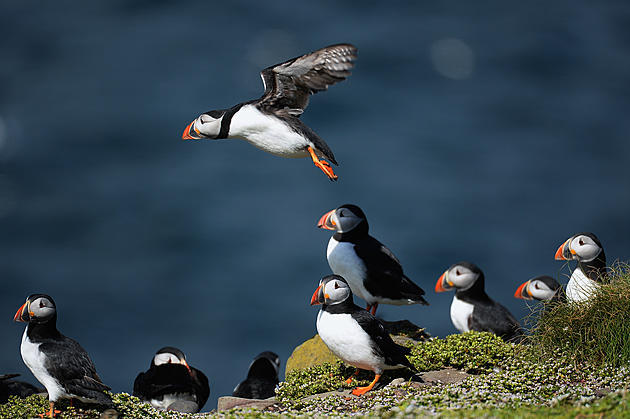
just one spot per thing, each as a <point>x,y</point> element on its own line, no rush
<point>207,126</point>
<point>335,291</point>
<point>42,308</point>
<point>540,291</point>
<point>345,220</point>
<point>166,358</point>
<point>461,277</point>
<point>585,248</point>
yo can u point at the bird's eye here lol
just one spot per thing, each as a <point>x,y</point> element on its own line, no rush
<point>41,304</point>
<point>457,272</point>
<point>536,285</point>
<point>336,285</point>
<point>581,242</point>
<point>341,214</point>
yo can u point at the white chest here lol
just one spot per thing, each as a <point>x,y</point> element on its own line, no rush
<point>35,360</point>
<point>344,261</point>
<point>267,133</point>
<point>580,287</point>
<point>169,399</point>
<point>460,313</point>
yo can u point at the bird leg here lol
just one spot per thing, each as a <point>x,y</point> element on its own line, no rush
<point>349,380</point>
<point>52,412</point>
<point>373,307</point>
<point>359,391</point>
<point>322,164</point>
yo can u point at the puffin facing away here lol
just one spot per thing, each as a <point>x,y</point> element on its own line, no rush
<point>471,308</point>
<point>371,269</point>
<point>262,377</point>
<point>171,384</point>
<point>58,362</point>
<point>591,268</point>
<point>541,288</point>
<point>353,334</point>
<point>272,123</point>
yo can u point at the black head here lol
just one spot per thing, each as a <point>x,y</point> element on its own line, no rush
<point>169,355</point>
<point>462,276</point>
<point>265,365</point>
<point>344,219</point>
<point>38,309</point>
<point>332,289</point>
<point>583,247</point>
<point>542,288</point>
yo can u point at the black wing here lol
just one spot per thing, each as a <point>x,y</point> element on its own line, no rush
<point>289,84</point>
<point>71,365</point>
<point>161,380</point>
<point>255,388</point>
<point>200,386</point>
<point>495,318</point>
<point>383,345</point>
<point>385,275</point>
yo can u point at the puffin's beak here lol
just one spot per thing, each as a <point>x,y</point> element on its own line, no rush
<point>523,291</point>
<point>326,221</point>
<point>565,252</point>
<point>443,284</point>
<point>315,300</point>
<point>190,133</point>
<point>22,315</point>
<point>187,366</point>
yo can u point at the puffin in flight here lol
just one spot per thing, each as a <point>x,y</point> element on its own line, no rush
<point>541,288</point>
<point>58,362</point>
<point>371,269</point>
<point>171,384</point>
<point>262,377</point>
<point>272,123</point>
<point>591,268</point>
<point>353,334</point>
<point>471,308</point>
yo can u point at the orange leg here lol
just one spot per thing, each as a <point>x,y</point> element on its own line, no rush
<point>349,380</point>
<point>51,413</point>
<point>322,164</point>
<point>374,307</point>
<point>359,391</point>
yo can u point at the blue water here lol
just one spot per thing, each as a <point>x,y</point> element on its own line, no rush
<point>488,133</point>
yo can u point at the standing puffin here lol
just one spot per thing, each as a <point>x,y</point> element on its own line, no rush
<point>353,334</point>
<point>262,377</point>
<point>171,384</point>
<point>541,288</point>
<point>58,362</point>
<point>471,308</point>
<point>591,268</point>
<point>272,123</point>
<point>371,269</point>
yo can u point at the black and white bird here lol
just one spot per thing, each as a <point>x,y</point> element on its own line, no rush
<point>10,387</point>
<point>171,384</point>
<point>353,334</point>
<point>591,268</point>
<point>272,123</point>
<point>262,377</point>
<point>541,288</point>
<point>58,362</point>
<point>371,269</point>
<point>471,308</point>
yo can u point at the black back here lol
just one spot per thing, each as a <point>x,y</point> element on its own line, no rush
<point>171,378</point>
<point>262,378</point>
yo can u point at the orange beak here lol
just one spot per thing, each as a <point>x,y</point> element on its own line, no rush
<point>187,132</point>
<point>315,298</point>
<point>18,314</point>
<point>187,366</point>
<point>523,292</point>
<point>326,221</point>
<point>439,286</point>
<point>561,253</point>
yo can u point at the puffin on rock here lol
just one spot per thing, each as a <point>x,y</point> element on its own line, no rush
<point>262,377</point>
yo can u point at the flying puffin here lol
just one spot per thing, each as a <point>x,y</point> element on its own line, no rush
<point>272,123</point>
<point>353,334</point>
<point>171,384</point>
<point>371,269</point>
<point>262,377</point>
<point>58,362</point>
<point>591,268</point>
<point>541,288</point>
<point>471,308</point>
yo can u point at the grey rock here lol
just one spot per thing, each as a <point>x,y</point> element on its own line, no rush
<point>183,406</point>
<point>444,376</point>
<point>231,402</point>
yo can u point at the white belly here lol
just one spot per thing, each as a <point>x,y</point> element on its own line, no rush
<point>344,261</point>
<point>169,399</point>
<point>347,340</point>
<point>580,287</point>
<point>267,133</point>
<point>35,360</point>
<point>460,313</point>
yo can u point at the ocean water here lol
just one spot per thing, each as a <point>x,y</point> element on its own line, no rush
<point>488,132</point>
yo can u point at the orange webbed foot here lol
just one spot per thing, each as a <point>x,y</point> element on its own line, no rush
<point>349,380</point>
<point>323,165</point>
<point>359,391</point>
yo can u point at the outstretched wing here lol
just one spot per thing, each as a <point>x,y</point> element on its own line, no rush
<point>289,84</point>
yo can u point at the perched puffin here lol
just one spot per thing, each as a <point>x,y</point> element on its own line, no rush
<point>171,384</point>
<point>471,308</point>
<point>272,123</point>
<point>262,377</point>
<point>541,288</point>
<point>591,268</point>
<point>353,334</point>
<point>58,362</point>
<point>371,269</point>
<point>8,387</point>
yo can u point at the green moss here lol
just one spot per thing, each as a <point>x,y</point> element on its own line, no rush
<point>35,405</point>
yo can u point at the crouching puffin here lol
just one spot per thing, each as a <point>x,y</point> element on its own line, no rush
<point>58,362</point>
<point>353,334</point>
<point>591,268</point>
<point>371,269</point>
<point>262,377</point>
<point>471,308</point>
<point>171,384</point>
<point>541,288</point>
<point>272,123</point>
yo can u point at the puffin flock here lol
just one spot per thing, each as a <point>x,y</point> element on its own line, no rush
<point>361,266</point>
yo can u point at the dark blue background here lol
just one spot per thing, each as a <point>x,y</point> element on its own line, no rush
<point>145,240</point>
